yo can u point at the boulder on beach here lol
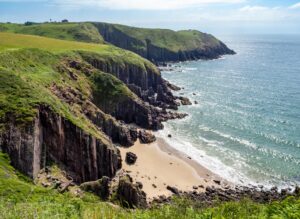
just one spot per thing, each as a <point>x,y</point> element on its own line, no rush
<point>130,158</point>
<point>146,137</point>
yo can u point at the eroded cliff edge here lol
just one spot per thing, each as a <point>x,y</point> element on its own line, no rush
<point>163,45</point>
<point>156,45</point>
<point>73,109</point>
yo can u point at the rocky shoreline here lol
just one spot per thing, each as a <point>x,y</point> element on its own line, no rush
<point>214,195</point>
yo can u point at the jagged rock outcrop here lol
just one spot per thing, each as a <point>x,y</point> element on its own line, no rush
<point>130,195</point>
<point>99,187</point>
<point>146,137</point>
<point>118,132</point>
<point>50,137</point>
<point>144,80</point>
<point>185,101</point>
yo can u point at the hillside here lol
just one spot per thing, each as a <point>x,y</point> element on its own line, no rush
<point>50,93</point>
<point>157,45</point>
<point>84,32</point>
<point>160,45</point>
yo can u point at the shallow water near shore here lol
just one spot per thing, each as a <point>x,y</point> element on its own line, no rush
<point>246,125</point>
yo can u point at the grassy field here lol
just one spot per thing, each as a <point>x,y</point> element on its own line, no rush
<point>184,40</point>
<point>19,198</point>
<point>108,53</point>
<point>84,32</point>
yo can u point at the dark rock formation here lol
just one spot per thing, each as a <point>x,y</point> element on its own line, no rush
<point>53,138</point>
<point>130,158</point>
<point>173,189</point>
<point>130,195</point>
<point>215,195</point>
<point>172,86</point>
<point>146,137</point>
<point>100,187</point>
<point>145,81</point>
<point>185,101</point>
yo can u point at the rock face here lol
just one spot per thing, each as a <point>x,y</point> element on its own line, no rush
<point>90,106</point>
<point>100,187</point>
<point>157,54</point>
<point>52,138</point>
<point>145,81</point>
<point>130,195</point>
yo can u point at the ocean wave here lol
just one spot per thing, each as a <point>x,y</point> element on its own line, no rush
<point>210,162</point>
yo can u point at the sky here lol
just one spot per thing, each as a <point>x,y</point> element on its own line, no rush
<point>212,16</point>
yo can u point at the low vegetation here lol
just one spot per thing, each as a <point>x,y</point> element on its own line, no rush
<point>175,41</point>
<point>84,32</point>
<point>184,40</point>
<point>20,198</point>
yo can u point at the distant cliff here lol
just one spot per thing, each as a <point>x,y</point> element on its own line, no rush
<point>161,45</point>
<point>156,45</point>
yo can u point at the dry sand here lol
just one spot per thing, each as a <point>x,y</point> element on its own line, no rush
<point>159,165</point>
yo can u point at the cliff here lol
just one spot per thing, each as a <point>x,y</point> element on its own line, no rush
<point>162,45</point>
<point>74,107</point>
<point>156,45</point>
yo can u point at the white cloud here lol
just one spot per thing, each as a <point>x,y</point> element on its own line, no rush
<point>253,8</point>
<point>144,5</point>
<point>295,6</point>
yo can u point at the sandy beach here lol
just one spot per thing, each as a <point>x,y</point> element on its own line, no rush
<point>159,165</point>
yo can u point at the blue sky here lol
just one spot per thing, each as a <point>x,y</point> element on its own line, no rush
<point>214,16</point>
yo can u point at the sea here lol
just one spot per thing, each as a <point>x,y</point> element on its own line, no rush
<point>246,125</point>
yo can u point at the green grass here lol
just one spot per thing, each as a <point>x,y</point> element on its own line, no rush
<point>84,32</point>
<point>108,53</point>
<point>26,77</point>
<point>175,41</point>
<point>184,40</point>
<point>19,198</point>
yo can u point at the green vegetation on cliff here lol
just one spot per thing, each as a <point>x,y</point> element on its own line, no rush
<point>19,198</point>
<point>153,44</point>
<point>33,70</point>
<point>175,41</point>
<point>107,53</point>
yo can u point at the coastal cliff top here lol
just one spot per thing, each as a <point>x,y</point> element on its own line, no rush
<point>147,42</point>
<point>175,41</point>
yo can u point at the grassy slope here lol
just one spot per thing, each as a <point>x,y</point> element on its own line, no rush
<point>84,32</point>
<point>25,82</point>
<point>172,40</point>
<point>11,41</point>
<point>19,198</point>
<point>26,74</point>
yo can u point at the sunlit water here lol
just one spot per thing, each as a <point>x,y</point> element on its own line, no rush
<point>246,126</point>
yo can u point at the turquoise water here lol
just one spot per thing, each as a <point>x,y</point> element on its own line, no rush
<point>246,126</point>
